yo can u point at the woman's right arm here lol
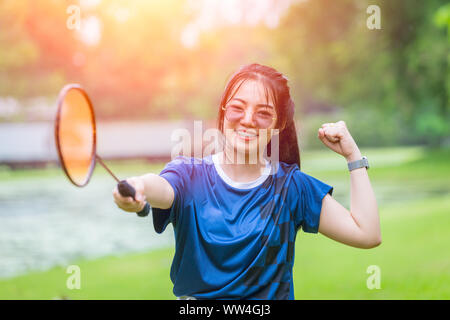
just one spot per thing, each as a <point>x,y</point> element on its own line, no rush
<point>150,188</point>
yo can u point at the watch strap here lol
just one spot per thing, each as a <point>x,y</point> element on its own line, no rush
<point>364,162</point>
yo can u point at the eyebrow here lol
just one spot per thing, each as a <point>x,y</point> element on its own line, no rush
<point>258,105</point>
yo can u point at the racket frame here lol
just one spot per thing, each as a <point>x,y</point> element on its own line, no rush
<point>60,101</point>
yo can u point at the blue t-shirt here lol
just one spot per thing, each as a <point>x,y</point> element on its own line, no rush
<point>236,240</point>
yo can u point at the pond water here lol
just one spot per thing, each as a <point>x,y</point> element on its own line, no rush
<point>46,222</point>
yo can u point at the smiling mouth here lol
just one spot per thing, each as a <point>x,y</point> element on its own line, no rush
<point>245,135</point>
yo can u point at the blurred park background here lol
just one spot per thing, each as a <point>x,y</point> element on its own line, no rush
<point>154,66</point>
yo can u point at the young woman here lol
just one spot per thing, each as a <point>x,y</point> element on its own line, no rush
<point>235,222</point>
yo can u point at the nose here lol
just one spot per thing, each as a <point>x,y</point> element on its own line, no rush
<point>247,119</point>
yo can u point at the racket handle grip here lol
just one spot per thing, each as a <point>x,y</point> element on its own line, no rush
<point>127,190</point>
<point>144,212</point>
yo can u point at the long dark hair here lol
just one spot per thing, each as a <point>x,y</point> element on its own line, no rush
<point>275,85</point>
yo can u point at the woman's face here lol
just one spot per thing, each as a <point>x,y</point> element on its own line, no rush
<point>249,135</point>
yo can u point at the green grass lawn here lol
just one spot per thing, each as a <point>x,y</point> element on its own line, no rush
<point>414,200</point>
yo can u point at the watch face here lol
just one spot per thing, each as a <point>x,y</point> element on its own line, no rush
<point>366,162</point>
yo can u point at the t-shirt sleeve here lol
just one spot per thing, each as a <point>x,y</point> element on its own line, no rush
<point>176,172</point>
<point>309,194</point>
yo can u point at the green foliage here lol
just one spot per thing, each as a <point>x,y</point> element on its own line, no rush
<point>442,16</point>
<point>390,82</point>
<point>367,126</point>
<point>140,68</point>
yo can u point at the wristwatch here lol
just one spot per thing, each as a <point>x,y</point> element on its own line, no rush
<point>358,164</point>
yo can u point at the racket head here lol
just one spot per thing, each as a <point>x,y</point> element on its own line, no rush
<point>75,134</point>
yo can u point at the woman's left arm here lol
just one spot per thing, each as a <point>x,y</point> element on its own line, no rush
<point>359,227</point>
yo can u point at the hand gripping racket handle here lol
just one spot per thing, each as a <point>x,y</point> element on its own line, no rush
<point>126,190</point>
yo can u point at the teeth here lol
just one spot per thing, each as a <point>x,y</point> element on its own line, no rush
<point>246,134</point>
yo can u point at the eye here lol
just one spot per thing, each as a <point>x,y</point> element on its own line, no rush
<point>235,108</point>
<point>265,114</point>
